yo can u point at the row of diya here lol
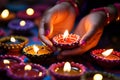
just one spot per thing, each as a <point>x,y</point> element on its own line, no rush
<point>15,44</point>
<point>69,41</point>
<point>13,68</point>
<point>33,14</point>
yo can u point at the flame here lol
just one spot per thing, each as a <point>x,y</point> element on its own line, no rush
<point>107,52</point>
<point>5,13</point>
<point>5,61</point>
<point>27,67</point>
<point>97,77</point>
<point>40,73</point>
<point>12,39</point>
<point>22,23</point>
<point>35,48</point>
<point>67,67</point>
<point>30,11</point>
<point>65,35</point>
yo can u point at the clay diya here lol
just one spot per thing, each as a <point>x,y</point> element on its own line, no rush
<point>106,58</point>
<point>66,71</point>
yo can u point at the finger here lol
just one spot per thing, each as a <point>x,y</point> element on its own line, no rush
<point>88,35</point>
<point>42,36</point>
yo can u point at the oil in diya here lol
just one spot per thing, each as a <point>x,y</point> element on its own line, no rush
<point>13,44</point>
<point>27,72</point>
<point>66,71</point>
<point>66,40</point>
<point>38,53</point>
<point>106,58</point>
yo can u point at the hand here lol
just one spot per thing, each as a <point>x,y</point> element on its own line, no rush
<point>90,30</point>
<point>55,21</point>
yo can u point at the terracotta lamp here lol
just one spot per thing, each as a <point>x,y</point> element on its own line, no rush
<point>6,15</point>
<point>106,58</point>
<point>66,40</point>
<point>28,14</point>
<point>13,44</point>
<point>98,75</point>
<point>20,26</point>
<point>6,62</point>
<point>27,72</point>
<point>66,71</point>
<point>37,53</point>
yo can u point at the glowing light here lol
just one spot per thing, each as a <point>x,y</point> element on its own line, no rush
<point>65,35</point>
<point>12,39</point>
<point>30,11</point>
<point>107,52</point>
<point>35,48</point>
<point>22,23</point>
<point>28,67</point>
<point>97,77</point>
<point>5,13</point>
<point>40,73</point>
<point>5,61</point>
<point>67,67</point>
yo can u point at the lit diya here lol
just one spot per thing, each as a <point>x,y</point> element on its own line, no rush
<point>21,27</point>
<point>97,75</point>
<point>106,58</point>
<point>6,62</point>
<point>13,44</point>
<point>66,40</point>
<point>27,72</point>
<point>37,53</point>
<point>6,15</point>
<point>66,71</point>
<point>29,14</point>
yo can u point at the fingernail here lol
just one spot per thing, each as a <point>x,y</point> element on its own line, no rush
<point>82,43</point>
<point>47,32</point>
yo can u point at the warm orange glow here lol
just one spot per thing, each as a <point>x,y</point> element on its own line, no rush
<point>12,39</point>
<point>98,77</point>
<point>30,11</point>
<point>35,48</point>
<point>5,13</point>
<point>5,61</point>
<point>40,73</point>
<point>22,23</point>
<point>67,67</point>
<point>65,35</point>
<point>107,52</point>
<point>27,67</point>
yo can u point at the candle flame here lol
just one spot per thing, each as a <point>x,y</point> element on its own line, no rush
<point>5,61</point>
<point>5,13</point>
<point>107,52</point>
<point>22,23</point>
<point>97,77</point>
<point>40,73</point>
<point>30,11</point>
<point>27,67</point>
<point>12,39</point>
<point>35,48</point>
<point>65,35</point>
<point>67,67</point>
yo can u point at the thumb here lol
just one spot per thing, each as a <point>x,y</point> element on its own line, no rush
<point>87,36</point>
